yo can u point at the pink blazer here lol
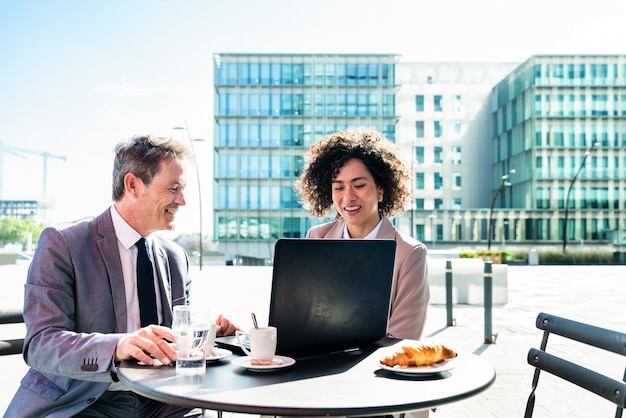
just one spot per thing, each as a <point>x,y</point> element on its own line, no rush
<point>409,292</point>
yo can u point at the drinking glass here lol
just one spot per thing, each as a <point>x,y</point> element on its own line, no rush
<point>191,326</point>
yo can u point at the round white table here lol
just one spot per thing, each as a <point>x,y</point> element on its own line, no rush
<point>344,383</point>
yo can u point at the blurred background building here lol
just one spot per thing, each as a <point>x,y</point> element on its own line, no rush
<point>530,153</point>
<point>268,109</point>
<point>561,122</point>
<point>498,149</point>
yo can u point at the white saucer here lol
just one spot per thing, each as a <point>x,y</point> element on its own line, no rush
<point>442,366</point>
<point>218,354</point>
<point>281,362</point>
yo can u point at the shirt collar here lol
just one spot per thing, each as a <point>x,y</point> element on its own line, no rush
<point>371,235</point>
<point>123,231</point>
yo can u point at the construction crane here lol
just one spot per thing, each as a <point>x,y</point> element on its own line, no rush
<point>17,151</point>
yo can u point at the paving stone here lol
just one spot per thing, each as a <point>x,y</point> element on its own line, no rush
<point>592,294</point>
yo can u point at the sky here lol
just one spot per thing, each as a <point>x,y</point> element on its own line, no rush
<point>78,76</point>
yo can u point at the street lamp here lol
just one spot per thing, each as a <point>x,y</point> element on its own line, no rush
<point>191,141</point>
<point>569,190</point>
<point>505,182</point>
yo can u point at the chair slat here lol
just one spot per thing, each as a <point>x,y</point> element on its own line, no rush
<point>604,386</point>
<point>610,389</point>
<point>604,338</point>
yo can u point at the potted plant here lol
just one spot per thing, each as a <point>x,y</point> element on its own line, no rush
<point>494,256</point>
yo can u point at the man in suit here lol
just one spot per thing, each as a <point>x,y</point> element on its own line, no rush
<point>81,305</point>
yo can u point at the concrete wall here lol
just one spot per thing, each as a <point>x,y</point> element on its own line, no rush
<point>8,257</point>
<point>467,281</point>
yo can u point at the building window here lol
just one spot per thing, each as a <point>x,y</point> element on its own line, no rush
<point>560,198</point>
<point>419,181</point>
<point>543,198</point>
<point>439,231</point>
<point>456,203</point>
<point>557,71</point>
<point>438,180</point>
<point>438,128</point>
<point>456,181</point>
<point>456,129</point>
<point>419,204</point>
<point>438,204</point>
<point>438,155</point>
<point>419,232</point>
<point>419,129</point>
<point>419,155</point>
<point>419,103</point>
<point>456,155</point>
<point>456,103</point>
<point>437,103</point>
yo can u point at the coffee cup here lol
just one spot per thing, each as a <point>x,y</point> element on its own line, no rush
<point>210,342</point>
<point>262,342</point>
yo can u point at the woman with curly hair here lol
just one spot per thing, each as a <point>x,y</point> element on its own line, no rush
<point>361,174</point>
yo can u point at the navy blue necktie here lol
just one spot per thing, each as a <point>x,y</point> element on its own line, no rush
<point>145,286</point>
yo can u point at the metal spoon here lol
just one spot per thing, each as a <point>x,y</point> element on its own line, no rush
<point>254,322</point>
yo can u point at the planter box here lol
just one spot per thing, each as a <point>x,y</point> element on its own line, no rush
<point>468,277</point>
<point>8,258</point>
<point>496,258</point>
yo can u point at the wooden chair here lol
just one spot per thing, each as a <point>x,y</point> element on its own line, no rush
<point>602,338</point>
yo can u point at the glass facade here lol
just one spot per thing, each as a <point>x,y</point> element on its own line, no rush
<point>445,125</point>
<point>560,121</point>
<point>462,126</point>
<point>268,109</point>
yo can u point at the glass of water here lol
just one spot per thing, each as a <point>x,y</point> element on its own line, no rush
<point>191,326</point>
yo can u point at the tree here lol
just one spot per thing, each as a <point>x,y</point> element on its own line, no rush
<point>16,231</point>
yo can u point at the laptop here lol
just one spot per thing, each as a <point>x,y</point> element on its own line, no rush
<point>330,294</point>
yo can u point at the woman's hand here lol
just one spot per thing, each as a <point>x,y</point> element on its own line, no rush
<point>224,326</point>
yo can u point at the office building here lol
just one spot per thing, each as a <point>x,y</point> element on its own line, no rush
<point>498,149</point>
<point>522,139</point>
<point>268,109</point>
<point>20,209</point>
<point>560,121</point>
<point>445,129</point>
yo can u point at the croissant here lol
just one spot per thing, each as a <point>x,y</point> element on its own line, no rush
<point>420,355</point>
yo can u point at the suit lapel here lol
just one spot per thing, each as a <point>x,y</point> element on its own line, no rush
<point>336,231</point>
<point>387,230</point>
<point>107,244</point>
<point>165,289</point>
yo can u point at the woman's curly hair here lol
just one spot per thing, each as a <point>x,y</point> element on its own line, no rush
<point>380,156</point>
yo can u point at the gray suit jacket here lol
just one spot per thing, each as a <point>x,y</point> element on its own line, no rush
<point>75,312</point>
<point>409,292</point>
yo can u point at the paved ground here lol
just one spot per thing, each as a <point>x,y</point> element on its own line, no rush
<point>593,294</point>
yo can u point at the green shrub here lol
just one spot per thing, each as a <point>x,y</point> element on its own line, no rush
<point>549,257</point>
<point>507,255</point>
<point>578,257</point>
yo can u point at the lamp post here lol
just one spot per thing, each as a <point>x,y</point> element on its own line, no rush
<point>505,182</point>
<point>569,190</point>
<point>191,141</point>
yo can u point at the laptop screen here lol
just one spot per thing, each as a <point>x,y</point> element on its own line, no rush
<point>330,294</point>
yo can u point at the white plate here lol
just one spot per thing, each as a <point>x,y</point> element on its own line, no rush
<point>281,361</point>
<point>442,366</point>
<point>218,354</point>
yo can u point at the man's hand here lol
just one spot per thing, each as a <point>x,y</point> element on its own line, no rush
<point>224,326</point>
<point>147,344</point>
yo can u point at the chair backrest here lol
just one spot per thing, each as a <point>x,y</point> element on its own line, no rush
<point>602,338</point>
